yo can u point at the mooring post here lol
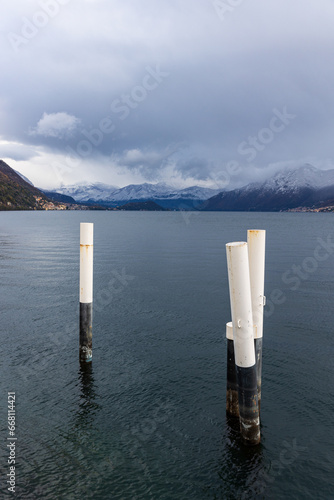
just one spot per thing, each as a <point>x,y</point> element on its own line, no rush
<point>243,338</point>
<point>86,291</point>
<point>256,240</point>
<point>232,406</point>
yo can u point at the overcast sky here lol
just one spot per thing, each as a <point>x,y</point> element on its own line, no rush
<point>204,92</point>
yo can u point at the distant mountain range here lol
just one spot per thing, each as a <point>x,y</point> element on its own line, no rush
<point>161,193</point>
<point>306,186</point>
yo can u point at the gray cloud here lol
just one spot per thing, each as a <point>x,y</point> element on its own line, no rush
<point>150,75</point>
<point>196,168</point>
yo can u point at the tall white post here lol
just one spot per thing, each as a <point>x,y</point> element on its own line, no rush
<point>256,240</point>
<point>86,291</point>
<point>243,338</point>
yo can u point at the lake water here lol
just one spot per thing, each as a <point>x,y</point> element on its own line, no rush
<point>147,419</point>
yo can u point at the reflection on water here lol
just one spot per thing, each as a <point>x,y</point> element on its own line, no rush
<point>88,406</point>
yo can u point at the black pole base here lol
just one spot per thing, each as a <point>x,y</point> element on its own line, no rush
<point>86,333</point>
<point>248,405</point>
<point>232,405</point>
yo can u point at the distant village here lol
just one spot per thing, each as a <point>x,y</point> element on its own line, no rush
<point>329,208</point>
<point>43,204</point>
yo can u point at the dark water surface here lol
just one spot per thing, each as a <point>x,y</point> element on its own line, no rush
<point>147,419</point>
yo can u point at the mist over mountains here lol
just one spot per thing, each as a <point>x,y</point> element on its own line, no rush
<point>305,186</point>
<point>162,193</point>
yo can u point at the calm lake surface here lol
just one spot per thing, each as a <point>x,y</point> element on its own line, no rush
<point>147,419</point>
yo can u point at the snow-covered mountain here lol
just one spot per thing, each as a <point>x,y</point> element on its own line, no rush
<point>87,192</point>
<point>110,194</point>
<point>140,192</point>
<point>305,176</point>
<point>290,188</point>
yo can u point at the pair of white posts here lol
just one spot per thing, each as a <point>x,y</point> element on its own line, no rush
<point>246,262</point>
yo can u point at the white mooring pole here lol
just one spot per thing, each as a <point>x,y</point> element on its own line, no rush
<point>243,338</point>
<point>86,291</point>
<point>256,240</point>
